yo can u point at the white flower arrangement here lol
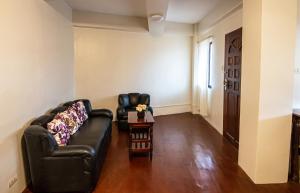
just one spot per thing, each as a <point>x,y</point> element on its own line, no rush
<point>141,108</point>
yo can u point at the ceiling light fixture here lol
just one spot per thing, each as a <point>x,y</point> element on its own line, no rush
<point>157,17</point>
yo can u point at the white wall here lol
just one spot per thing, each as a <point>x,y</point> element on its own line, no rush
<point>297,64</point>
<point>267,89</point>
<point>215,94</point>
<point>109,62</point>
<point>36,73</point>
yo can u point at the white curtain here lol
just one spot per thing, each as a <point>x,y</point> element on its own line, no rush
<point>200,77</point>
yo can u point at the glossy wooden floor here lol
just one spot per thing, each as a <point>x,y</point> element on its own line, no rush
<point>189,157</point>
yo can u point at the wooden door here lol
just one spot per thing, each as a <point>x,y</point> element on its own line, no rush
<point>232,86</point>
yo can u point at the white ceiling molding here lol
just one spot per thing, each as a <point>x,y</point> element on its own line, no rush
<point>89,19</point>
<point>136,8</point>
<point>108,21</point>
<point>158,8</point>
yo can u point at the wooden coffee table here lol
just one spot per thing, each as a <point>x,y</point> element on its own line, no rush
<point>140,134</point>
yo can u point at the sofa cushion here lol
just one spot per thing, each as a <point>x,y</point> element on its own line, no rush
<point>91,132</point>
<point>58,128</point>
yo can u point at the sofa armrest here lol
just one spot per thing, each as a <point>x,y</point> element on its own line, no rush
<point>74,151</point>
<point>102,112</point>
<point>81,157</point>
<point>122,114</point>
<point>67,168</point>
<point>150,109</point>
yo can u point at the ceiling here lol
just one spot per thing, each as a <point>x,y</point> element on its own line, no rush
<point>189,11</point>
<point>183,11</point>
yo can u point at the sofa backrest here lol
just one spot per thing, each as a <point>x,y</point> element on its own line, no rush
<point>87,105</point>
<point>123,100</point>
<point>58,109</point>
<point>43,120</point>
<point>144,99</point>
<point>86,102</point>
<point>133,99</point>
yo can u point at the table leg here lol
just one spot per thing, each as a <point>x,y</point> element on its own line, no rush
<point>151,143</point>
<point>130,143</point>
<point>294,152</point>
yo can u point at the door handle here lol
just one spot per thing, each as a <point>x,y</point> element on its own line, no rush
<point>225,84</point>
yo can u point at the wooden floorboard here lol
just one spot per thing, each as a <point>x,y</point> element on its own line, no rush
<point>189,157</point>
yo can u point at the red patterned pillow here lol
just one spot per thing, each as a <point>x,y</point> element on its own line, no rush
<point>58,128</point>
<point>80,111</point>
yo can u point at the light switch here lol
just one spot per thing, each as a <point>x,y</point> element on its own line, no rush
<point>297,70</point>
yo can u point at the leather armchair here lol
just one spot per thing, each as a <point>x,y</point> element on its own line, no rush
<point>128,102</point>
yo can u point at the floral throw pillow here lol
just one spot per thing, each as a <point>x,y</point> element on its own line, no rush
<point>80,111</point>
<point>70,119</point>
<point>75,118</point>
<point>58,128</point>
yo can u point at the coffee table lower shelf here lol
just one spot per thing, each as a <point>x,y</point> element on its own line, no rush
<point>144,150</point>
<point>140,145</point>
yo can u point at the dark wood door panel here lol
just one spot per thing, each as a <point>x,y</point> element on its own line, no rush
<point>232,85</point>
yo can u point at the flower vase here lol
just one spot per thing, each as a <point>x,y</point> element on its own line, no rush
<point>141,114</point>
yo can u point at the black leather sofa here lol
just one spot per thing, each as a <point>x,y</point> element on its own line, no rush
<point>128,102</point>
<point>72,168</point>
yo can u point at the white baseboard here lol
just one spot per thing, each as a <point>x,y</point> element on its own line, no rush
<point>171,109</point>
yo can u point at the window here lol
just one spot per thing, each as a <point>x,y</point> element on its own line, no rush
<point>202,74</point>
<point>209,65</point>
